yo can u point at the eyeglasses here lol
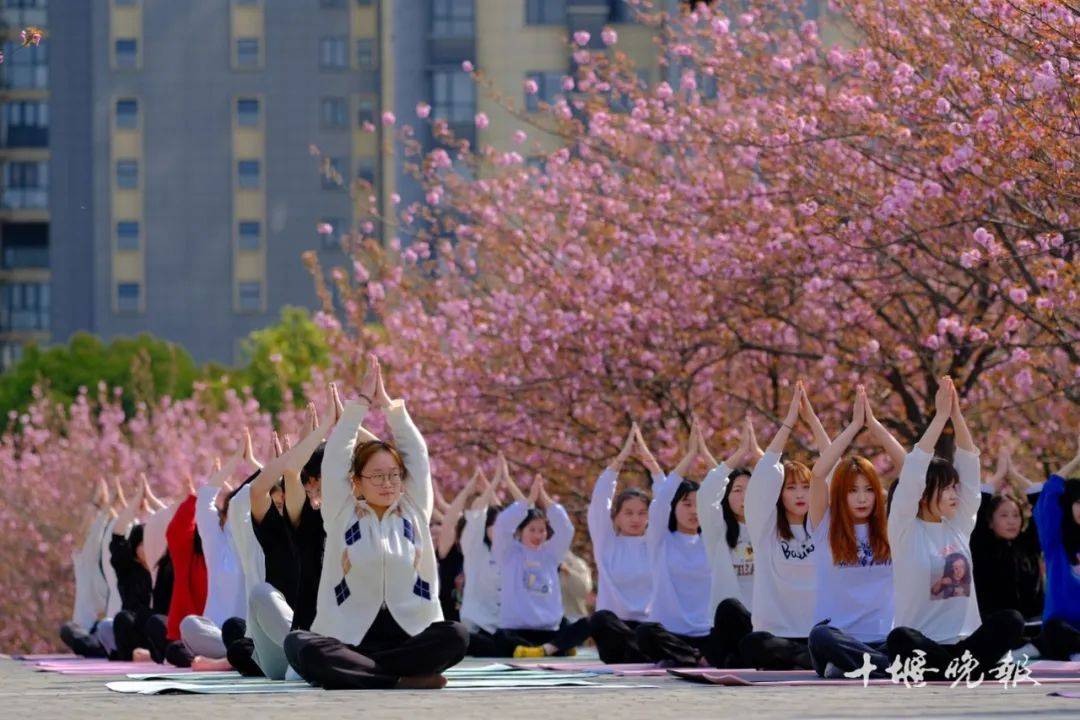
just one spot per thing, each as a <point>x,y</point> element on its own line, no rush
<point>388,479</point>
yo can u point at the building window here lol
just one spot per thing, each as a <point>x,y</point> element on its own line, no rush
<point>247,52</point>
<point>127,53</point>
<point>365,53</point>
<point>249,173</point>
<point>332,239</point>
<point>247,112</point>
<point>128,3</point>
<point>10,354</point>
<point>549,89</point>
<point>332,3</point>
<point>25,68</point>
<point>128,297</point>
<point>545,12</point>
<point>250,234</point>
<point>334,113</point>
<point>127,114</point>
<point>333,53</point>
<point>452,18</point>
<point>24,306</point>
<point>250,296</point>
<point>26,185</point>
<point>334,174</point>
<point>127,174</point>
<point>365,170</point>
<point>453,95</point>
<point>26,245</point>
<point>365,112</point>
<point>127,235</point>
<point>25,124</point>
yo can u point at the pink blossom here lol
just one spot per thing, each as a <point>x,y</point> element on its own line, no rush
<point>324,228</point>
<point>422,110</point>
<point>609,36</point>
<point>581,37</point>
<point>1018,295</point>
<point>481,120</point>
<point>519,136</point>
<point>467,66</point>
<point>531,88</point>
<point>388,118</point>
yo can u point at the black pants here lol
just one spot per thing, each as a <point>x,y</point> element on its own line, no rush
<point>129,631</point>
<point>765,651</point>
<point>568,636</point>
<point>482,644</point>
<point>999,633</point>
<point>174,652</point>
<point>720,648</point>
<point>1058,640</point>
<point>386,654</point>
<point>830,645</point>
<point>81,642</point>
<point>240,650</point>
<point>616,639</point>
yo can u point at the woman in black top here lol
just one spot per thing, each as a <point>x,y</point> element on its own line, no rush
<point>1005,545</point>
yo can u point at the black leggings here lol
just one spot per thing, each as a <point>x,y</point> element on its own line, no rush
<point>482,644</point>
<point>175,652</point>
<point>568,636</point>
<point>81,642</point>
<point>385,655</point>
<point>999,633</point>
<point>1058,640</point>
<point>722,647</point>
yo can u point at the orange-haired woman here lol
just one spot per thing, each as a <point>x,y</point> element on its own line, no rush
<point>849,524</point>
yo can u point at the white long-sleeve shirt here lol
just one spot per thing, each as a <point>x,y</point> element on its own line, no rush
<point>248,549</point>
<point>392,559</point>
<point>680,566</point>
<point>225,595</point>
<point>622,562</point>
<point>91,588</point>
<point>857,599</point>
<point>920,551</point>
<point>483,581</point>
<point>784,572</point>
<point>531,594</point>
<point>154,545</point>
<point>726,580</point>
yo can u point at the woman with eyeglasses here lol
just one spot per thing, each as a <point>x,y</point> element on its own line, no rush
<point>378,622</point>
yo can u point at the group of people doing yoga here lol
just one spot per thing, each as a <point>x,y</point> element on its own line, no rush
<point>338,561</point>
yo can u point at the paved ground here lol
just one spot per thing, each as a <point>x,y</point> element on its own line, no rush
<point>29,695</point>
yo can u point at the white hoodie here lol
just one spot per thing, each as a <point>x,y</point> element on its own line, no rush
<point>393,559</point>
<point>91,588</point>
<point>225,593</point>
<point>531,592</point>
<point>483,581</point>
<point>726,582</point>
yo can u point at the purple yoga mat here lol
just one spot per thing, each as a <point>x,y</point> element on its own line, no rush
<point>1072,695</point>
<point>796,678</point>
<point>101,667</point>
<point>44,656</point>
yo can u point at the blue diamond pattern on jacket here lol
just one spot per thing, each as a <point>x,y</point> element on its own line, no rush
<point>341,592</point>
<point>406,527</point>
<point>422,589</point>
<point>352,534</point>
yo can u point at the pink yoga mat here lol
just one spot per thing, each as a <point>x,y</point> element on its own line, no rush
<point>795,678</point>
<point>44,656</point>
<point>103,667</point>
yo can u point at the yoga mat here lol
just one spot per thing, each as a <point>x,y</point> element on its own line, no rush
<point>191,676</point>
<point>45,656</point>
<point>1055,665</point>
<point>808,677</point>
<point>107,668</point>
<point>262,685</point>
<point>1067,694</point>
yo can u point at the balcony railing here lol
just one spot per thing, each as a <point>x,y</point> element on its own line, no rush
<point>24,198</point>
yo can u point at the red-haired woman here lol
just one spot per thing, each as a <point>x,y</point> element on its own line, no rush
<point>777,501</point>
<point>853,562</point>
<point>378,623</point>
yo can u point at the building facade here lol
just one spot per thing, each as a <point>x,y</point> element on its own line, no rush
<point>184,189</point>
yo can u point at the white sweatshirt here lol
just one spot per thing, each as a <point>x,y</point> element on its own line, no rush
<point>483,583</point>
<point>920,550</point>
<point>784,572</point>
<point>857,599</point>
<point>622,562</point>
<point>248,549</point>
<point>392,559</point>
<point>114,604</point>
<point>91,588</point>
<point>531,594</point>
<point>680,566</point>
<point>726,580</point>
<point>225,595</point>
<point>154,545</point>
